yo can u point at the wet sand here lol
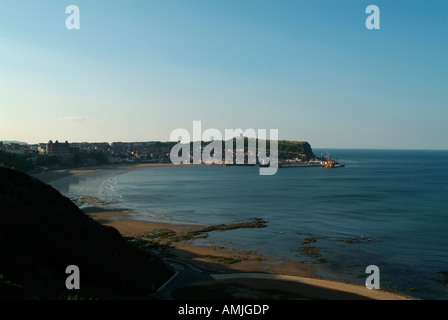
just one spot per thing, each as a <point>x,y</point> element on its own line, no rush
<point>255,271</point>
<point>51,175</point>
<point>248,267</point>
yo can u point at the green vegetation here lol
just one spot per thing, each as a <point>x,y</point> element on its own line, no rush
<point>224,260</point>
<point>43,232</point>
<point>48,161</point>
<point>98,156</point>
<point>75,297</point>
<point>16,161</point>
<point>313,251</point>
<point>154,151</point>
<point>286,149</point>
<point>229,260</point>
<point>295,149</point>
<point>310,251</point>
<point>167,237</point>
<point>12,290</point>
<point>161,240</point>
<point>94,201</point>
<point>27,163</point>
<point>202,232</point>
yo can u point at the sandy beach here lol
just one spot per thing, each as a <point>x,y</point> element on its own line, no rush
<point>51,175</point>
<point>225,265</point>
<point>254,271</point>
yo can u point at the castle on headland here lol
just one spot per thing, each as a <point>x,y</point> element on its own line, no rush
<point>57,154</point>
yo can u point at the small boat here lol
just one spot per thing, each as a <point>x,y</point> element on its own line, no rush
<point>331,163</point>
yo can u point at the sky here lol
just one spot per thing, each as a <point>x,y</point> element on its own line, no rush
<point>137,70</point>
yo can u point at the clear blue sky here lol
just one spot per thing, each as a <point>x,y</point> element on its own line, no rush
<point>136,70</point>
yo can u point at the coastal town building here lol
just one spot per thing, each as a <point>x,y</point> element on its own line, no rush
<point>57,148</point>
<point>62,150</point>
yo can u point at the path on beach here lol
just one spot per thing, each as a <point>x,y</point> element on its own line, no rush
<point>187,274</point>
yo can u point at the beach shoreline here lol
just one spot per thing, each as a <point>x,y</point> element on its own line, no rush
<point>244,264</point>
<point>55,174</point>
<point>252,270</point>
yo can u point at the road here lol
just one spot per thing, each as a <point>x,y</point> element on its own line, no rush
<point>185,274</point>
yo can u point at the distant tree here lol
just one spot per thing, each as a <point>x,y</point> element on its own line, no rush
<point>77,159</point>
<point>48,161</point>
<point>18,162</point>
<point>100,157</point>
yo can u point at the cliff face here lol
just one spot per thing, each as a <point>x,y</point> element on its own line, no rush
<point>43,232</point>
<point>286,149</point>
<point>295,149</point>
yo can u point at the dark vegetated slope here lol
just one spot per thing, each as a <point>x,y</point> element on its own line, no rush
<point>43,232</point>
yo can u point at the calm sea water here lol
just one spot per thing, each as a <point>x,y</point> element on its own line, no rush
<point>395,202</point>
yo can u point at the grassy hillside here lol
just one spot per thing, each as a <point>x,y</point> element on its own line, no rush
<point>42,232</point>
<point>295,149</point>
<point>286,149</point>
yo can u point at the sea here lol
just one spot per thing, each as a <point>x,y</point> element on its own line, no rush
<point>387,208</point>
